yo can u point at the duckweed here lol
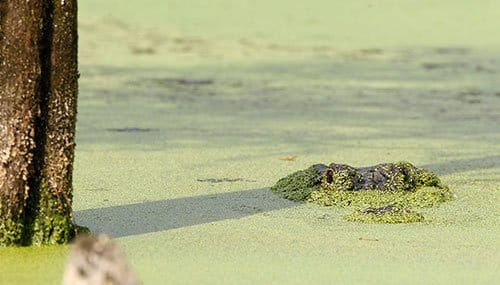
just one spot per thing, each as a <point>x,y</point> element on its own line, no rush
<point>390,214</point>
<point>298,185</point>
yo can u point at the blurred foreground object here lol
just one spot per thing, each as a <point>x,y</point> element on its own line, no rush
<point>97,261</point>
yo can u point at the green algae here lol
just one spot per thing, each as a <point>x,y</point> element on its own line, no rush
<point>10,232</point>
<point>422,197</point>
<point>46,221</point>
<point>299,185</point>
<point>33,264</point>
<point>391,214</point>
<point>462,251</point>
<point>368,188</point>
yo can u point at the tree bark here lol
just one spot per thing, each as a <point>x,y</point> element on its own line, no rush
<point>39,84</point>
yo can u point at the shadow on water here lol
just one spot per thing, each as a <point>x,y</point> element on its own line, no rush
<point>155,216</point>
<point>462,165</point>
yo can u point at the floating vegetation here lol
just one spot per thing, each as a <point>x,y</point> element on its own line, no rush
<point>384,193</point>
<point>298,186</point>
<point>131,130</point>
<point>225,179</point>
<point>390,214</point>
<point>169,82</point>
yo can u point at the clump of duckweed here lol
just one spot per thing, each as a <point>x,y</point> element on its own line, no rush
<point>366,188</point>
<point>423,197</point>
<point>298,185</point>
<point>390,214</point>
<point>429,196</point>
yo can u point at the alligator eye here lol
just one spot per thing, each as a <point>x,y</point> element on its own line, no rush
<point>329,176</point>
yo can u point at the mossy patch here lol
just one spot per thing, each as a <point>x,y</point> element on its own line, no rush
<point>368,188</point>
<point>390,214</point>
<point>427,196</point>
<point>298,185</point>
<point>10,232</point>
<point>45,222</point>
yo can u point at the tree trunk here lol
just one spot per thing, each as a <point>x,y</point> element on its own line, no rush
<point>38,77</point>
